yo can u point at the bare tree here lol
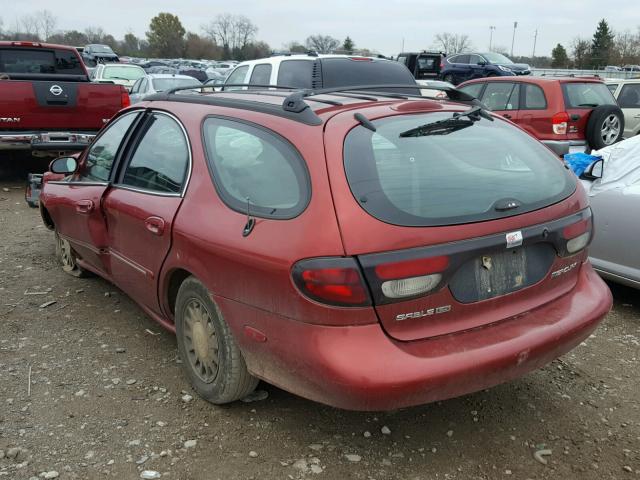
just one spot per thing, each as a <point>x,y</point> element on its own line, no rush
<point>46,23</point>
<point>232,32</point>
<point>29,26</point>
<point>452,42</point>
<point>322,43</point>
<point>581,52</point>
<point>95,34</point>
<point>627,46</point>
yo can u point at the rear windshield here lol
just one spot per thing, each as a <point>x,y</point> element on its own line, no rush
<point>122,73</point>
<point>341,72</point>
<point>587,95</point>
<point>484,171</point>
<point>39,61</point>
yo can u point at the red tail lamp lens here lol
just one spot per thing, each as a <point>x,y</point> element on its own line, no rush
<point>335,281</point>
<point>125,101</point>
<point>412,268</point>
<point>576,229</point>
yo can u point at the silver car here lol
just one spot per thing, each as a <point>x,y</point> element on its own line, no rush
<point>627,93</point>
<point>158,82</point>
<point>614,194</point>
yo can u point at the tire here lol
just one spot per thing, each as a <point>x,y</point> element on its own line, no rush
<point>204,338</point>
<point>448,78</point>
<point>67,258</point>
<point>605,126</point>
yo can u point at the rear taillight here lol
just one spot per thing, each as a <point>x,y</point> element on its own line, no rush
<point>125,101</point>
<point>332,280</point>
<point>410,278</point>
<point>578,235</point>
<point>560,122</point>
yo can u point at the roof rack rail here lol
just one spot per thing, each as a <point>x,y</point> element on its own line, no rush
<point>294,105</point>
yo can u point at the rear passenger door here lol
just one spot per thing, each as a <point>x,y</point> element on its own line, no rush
<point>461,68</point>
<point>141,207</point>
<point>534,116</point>
<point>502,98</point>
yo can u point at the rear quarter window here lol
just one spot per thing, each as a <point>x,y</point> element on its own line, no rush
<point>534,98</point>
<point>587,95</point>
<point>296,73</point>
<point>474,89</point>
<point>256,167</point>
<point>462,176</point>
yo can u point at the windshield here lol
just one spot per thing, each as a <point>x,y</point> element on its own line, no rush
<point>496,58</point>
<point>123,73</point>
<point>162,84</point>
<point>587,95</point>
<point>451,173</point>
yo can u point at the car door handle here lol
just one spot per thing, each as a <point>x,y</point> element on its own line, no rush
<point>155,225</point>
<point>636,116</point>
<point>506,115</point>
<point>84,206</point>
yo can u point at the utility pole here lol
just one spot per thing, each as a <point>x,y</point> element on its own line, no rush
<point>535,38</point>
<point>513,39</point>
<point>491,29</point>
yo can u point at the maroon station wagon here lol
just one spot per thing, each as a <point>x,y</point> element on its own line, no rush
<point>360,248</point>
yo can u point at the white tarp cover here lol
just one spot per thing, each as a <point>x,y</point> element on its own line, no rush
<point>621,165</point>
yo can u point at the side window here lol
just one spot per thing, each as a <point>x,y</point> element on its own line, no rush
<point>474,59</point>
<point>143,85</point>
<point>237,76</point>
<point>261,74</point>
<point>255,167</point>
<point>534,98</point>
<point>402,59</point>
<point>462,59</point>
<point>136,86</point>
<point>99,161</point>
<point>497,96</point>
<point>473,89</point>
<point>514,99</point>
<point>629,96</point>
<point>296,73</point>
<point>161,158</point>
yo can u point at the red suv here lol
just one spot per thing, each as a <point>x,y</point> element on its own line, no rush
<point>565,113</point>
<point>363,249</point>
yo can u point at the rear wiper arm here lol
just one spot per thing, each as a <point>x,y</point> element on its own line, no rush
<point>448,125</point>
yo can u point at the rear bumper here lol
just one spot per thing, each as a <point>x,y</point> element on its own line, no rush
<point>361,368</point>
<point>562,147</point>
<point>48,141</point>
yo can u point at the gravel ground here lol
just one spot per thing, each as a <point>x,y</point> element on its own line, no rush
<point>107,399</point>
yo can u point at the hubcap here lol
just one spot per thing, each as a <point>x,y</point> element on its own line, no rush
<point>66,255</point>
<point>610,129</point>
<point>201,342</point>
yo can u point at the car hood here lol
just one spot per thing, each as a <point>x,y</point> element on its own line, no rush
<point>516,67</point>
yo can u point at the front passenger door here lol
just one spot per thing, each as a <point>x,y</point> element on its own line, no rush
<point>141,206</point>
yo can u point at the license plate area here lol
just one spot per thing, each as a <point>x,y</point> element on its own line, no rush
<point>497,273</point>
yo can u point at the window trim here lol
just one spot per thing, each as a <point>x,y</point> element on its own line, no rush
<point>133,144</point>
<point>230,201</point>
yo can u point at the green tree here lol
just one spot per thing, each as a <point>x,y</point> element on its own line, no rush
<point>166,36</point>
<point>602,45</point>
<point>348,46</point>
<point>560,57</point>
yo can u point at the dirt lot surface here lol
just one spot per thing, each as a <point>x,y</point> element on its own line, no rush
<point>106,399</point>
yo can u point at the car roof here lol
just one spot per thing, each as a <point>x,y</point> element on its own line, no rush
<point>153,76</point>
<point>125,65</point>
<point>28,44</point>
<point>609,81</point>
<point>305,56</point>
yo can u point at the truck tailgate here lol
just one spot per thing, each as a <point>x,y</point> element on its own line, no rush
<point>55,105</point>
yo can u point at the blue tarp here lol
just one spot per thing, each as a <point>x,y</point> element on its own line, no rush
<point>578,162</point>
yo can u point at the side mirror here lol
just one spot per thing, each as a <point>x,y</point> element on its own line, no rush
<point>594,171</point>
<point>64,165</point>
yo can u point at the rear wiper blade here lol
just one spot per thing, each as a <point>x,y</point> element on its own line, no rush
<point>441,127</point>
<point>448,125</point>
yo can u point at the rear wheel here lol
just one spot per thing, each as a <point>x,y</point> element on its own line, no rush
<point>448,78</point>
<point>605,126</point>
<point>210,356</point>
<point>67,258</point>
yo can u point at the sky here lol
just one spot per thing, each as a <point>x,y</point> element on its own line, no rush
<point>381,25</point>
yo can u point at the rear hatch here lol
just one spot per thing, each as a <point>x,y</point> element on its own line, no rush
<point>580,98</point>
<point>454,224</point>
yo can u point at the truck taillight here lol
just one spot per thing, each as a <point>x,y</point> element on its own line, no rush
<point>26,44</point>
<point>332,280</point>
<point>560,122</point>
<point>125,101</point>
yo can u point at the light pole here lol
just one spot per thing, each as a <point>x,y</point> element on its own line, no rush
<point>535,38</point>
<point>513,39</point>
<point>491,29</point>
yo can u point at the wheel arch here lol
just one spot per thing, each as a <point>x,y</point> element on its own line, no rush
<point>172,283</point>
<point>46,217</point>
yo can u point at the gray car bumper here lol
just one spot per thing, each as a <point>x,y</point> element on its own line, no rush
<point>63,141</point>
<point>562,147</point>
